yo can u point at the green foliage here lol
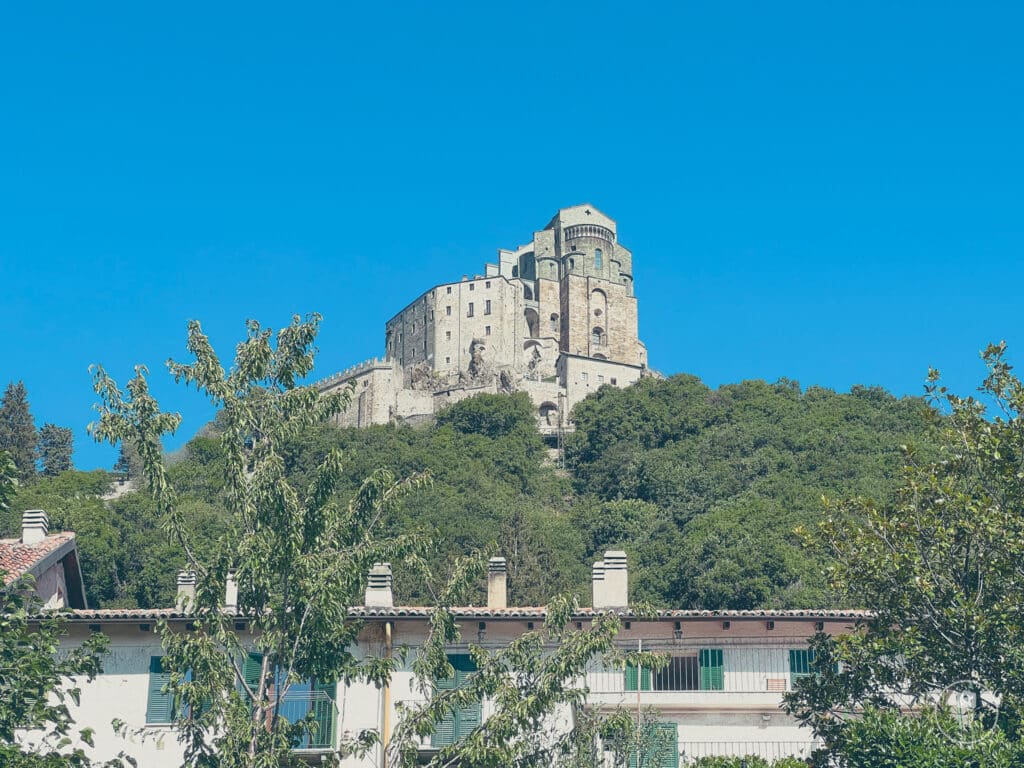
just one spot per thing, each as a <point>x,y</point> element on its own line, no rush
<point>298,552</point>
<point>38,684</point>
<point>942,567</point>
<point>8,479</point>
<point>492,415</point>
<point>18,430</point>
<point>54,449</point>
<point>749,761</point>
<point>728,474</point>
<point>928,739</point>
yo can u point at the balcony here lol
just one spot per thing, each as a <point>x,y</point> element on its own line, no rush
<point>298,704</point>
<point>690,751</point>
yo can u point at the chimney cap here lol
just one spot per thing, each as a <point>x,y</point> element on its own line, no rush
<point>186,577</point>
<point>35,525</point>
<point>497,564</point>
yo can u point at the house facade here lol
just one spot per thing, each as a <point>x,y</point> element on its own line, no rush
<point>720,693</point>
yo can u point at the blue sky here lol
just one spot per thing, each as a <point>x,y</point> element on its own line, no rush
<point>830,192</point>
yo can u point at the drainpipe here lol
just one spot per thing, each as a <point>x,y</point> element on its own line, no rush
<point>385,736</point>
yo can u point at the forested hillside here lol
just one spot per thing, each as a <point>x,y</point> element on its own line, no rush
<point>702,487</point>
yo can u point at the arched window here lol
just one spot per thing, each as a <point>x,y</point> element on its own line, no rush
<point>527,293</point>
<point>532,323</point>
<point>597,258</point>
<point>597,336</point>
<point>554,321</point>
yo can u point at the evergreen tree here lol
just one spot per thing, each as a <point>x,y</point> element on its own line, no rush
<point>54,449</point>
<point>17,430</point>
<point>129,465</point>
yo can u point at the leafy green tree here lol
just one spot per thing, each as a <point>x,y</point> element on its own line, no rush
<point>37,684</point>
<point>129,465</point>
<point>932,738</point>
<point>54,449</point>
<point>941,566</point>
<point>18,430</point>
<point>299,556</point>
<point>8,479</point>
<point>728,474</point>
<point>527,680</point>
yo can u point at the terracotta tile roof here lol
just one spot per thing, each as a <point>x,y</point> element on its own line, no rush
<point>473,612</point>
<point>18,559</point>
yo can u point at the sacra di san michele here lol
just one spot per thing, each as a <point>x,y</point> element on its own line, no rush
<point>555,318</point>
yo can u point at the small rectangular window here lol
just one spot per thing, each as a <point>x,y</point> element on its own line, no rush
<point>447,360</point>
<point>583,376</point>
<point>614,382</point>
<point>470,312</point>
<point>448,310</point>
<point>487,284</point>
<point>449,289</point>
<point>487,331</point>
<point>448,335</point>
<point>487,307</point>
<point>600,379</point>
<point>472,286</point>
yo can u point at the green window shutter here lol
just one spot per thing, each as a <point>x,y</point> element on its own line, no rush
<point>635,676</point>
<point>463,720</point>
<point>160,702</point>
<point>660,743</point>
<point>712,672</point>
<point>252,666</point>
<point>801,663</point>
<point>466,719</point>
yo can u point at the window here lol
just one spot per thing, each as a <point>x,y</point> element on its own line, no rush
<point>583,376</point>
<point>600,379</point>
<point>160,702</point>
<point>448,310</point>
<point>447,361</point>
<point>487,284</point>
<point>487,307</point>
<point>300,699</point>
<point>448,335</point>
<point>470,312</point>
<point>614,382</point>
<point>487,331</point>
<point>472,286</point>
<point>554,322</point>
<point>702,671</point>
<point>801,664</point>
<point>461,722</point>
<point>597,258</point>
<point>659,743</point>
<point>712,674</point>
<point>449,289</point>
<point>597,336</point>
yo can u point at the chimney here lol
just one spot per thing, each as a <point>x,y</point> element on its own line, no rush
<point>597,580</point>
<point>497,583</point>
<point>230,593</point>
<point>616,579</point>
<point>611,581</point>
<point>186,590</point>
<point>35,524</point>
<point>378,587</point>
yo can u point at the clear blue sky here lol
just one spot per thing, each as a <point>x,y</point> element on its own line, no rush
<point>831,192</point>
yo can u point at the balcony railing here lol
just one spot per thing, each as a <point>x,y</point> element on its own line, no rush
<point>743,670</point>
<point>690,751</point>
<point>296,706</point>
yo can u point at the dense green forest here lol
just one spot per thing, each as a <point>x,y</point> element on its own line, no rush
<point>703,488</point>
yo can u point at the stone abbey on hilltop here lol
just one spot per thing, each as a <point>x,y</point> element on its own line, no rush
<point>555,318</point>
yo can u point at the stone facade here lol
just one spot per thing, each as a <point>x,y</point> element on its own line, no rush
<point>555,318</point>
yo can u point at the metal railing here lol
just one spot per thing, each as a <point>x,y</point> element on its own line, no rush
<point>743,670</point>
<point>690,751</point>
<point>296,706</point>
